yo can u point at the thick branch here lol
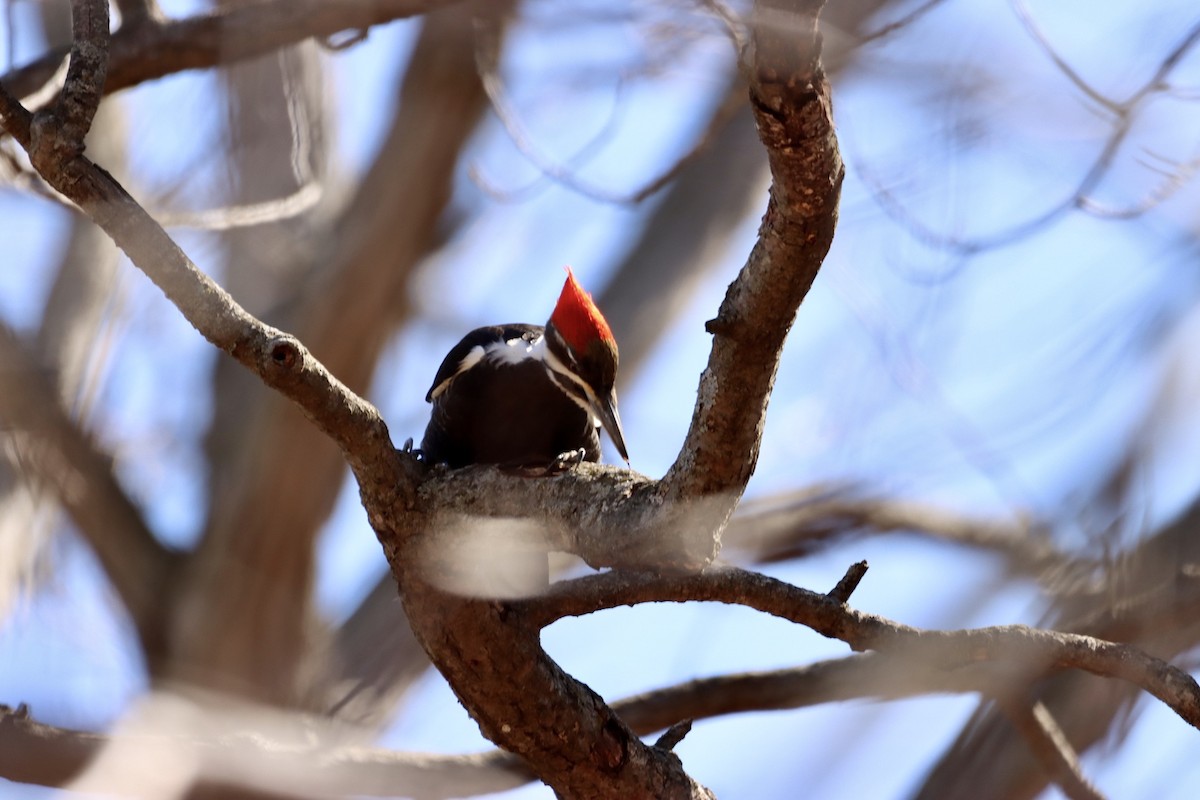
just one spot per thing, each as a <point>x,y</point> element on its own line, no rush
<point>793,109</point>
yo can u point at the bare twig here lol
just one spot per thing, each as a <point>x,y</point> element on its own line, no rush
<point>1049,746</point>
<point>898,24</point>
<point>673,735</point>
<point>849,582</point>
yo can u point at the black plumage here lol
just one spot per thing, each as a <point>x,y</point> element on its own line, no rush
<point>503,407</point>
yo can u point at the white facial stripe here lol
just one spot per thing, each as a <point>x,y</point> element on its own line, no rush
<point>473,357</point>
<point>558,371</point>
<point>554,376</point>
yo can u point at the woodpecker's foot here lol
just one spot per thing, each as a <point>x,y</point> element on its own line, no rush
<point>563,462</point>
<point>567,461</point>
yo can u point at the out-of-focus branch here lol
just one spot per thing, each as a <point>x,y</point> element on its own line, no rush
<point>73,338</point>
<point>280,360</point>
<point>376,658</point>
<point>36,753</point>
<point>135,12</point>
<point>63,457</point>
<point>1147,598</point>
<point>143,52</point>
<point>32,752</point>
<point>796,524</point>
<point>1049,746</point>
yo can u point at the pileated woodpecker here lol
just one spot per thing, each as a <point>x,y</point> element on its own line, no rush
<point>522,394</point>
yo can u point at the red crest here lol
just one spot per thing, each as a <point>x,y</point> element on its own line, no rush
<point>577,318</point>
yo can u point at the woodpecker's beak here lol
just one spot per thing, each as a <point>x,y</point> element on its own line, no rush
<point>605,409</point>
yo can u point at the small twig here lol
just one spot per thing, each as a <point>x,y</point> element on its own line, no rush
<point>674,735</point>
<point>849,582</point>
<point>486,54</point>
<point>86,73</point>
<point>902,22</point>
<point>1049,746</point>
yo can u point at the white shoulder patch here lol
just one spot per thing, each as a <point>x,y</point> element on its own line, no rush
<point>473,357</point>
<point>514,351</point>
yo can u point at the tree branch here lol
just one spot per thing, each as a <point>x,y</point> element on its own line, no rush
<point>792,106</point>
<point>65,458</point>
<point>150,50</point>
<point>795,524</point>
<point>1019,646</point>
<point>278,359</point>
<point>1049,746</point>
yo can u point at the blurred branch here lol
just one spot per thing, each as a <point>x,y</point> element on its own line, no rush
<point>54,141</point>
<point>63,457</point>
<point>36,753</point>
<point>377,657</point>
<point>154,49</point>
<point>1148,597</point>
<point>796,524</point>
<point>1037,651</point>
<point>1123,114</point>
<point>32,752</point>
<point>904,21</point>
<point>136,12</point>
<point>74,338</point>
<point>1050,747</point>
<point>41,754</point>
<point>383,235</point>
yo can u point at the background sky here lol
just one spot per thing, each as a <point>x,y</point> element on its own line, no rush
<point>963,345</point>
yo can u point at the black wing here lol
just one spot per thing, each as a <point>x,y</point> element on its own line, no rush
<point>480,337</point>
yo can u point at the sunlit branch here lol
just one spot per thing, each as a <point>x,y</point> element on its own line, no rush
<point>1018,646</point>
